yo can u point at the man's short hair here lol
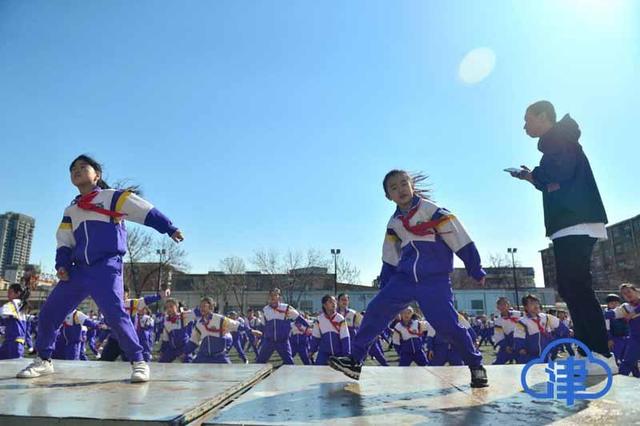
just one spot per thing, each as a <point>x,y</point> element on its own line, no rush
<point>545,107</point>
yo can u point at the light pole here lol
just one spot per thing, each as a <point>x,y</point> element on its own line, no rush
<point>512,251</point>
<point>335,253</point>
<point>160,253</point>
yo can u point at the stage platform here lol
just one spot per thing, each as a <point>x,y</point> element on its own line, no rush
<point>99,393</point>
<point>93,392</point>
<point>421,395</point>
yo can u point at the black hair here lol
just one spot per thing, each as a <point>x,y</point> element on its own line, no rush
<point>102,184</point>
<point>342,294</point>
<point>613,298</point>
<point>23,293</point>
<point>209,301</point>
<point>95,165</point>
<point>417,179</point>
<point>325,299</point>
<point>543,107</point>
<point>529,298</point>
<point>503,299</point>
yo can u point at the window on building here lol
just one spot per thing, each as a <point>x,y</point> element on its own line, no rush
<point>477,305</point>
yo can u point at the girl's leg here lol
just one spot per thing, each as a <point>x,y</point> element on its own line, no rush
<point>64,298</point>
<point>304,355</point>
<point>405,359</point>
<point>237,344</point>
<point>107,291</point>
<point>394,297</point>
<point>436,301</point>
<point>266,350</point>
<point>111,350</point>
<point>284,350</point>
<point>421,359</point>
<point>377,354</point>
<point>322,358</point>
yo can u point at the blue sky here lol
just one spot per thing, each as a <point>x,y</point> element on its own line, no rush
<point>271,124</point>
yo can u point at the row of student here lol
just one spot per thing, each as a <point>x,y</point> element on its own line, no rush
<point>519,337</point>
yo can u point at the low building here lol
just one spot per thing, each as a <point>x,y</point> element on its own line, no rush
<point>614,261</point>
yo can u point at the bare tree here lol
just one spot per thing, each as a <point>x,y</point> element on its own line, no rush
<point>347,272</point>
<point>147,272</point>
<point>233,280</point>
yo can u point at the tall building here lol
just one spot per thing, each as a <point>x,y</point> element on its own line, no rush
<point>16,234</point>
<point>613,261</point>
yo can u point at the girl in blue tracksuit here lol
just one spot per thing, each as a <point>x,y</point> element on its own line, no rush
<point>534,331</point>
<point>630,312</point>
<point>408,338</point>
<point>92,240</point>
<point>14,318</point>
<point>504,326</point>
<point>133,307</point>
<point>176,332</point>
<point>330,335</point>
<point>212,335</point>
<point>617,328</point>
<point>300,341</point>
<point>420,241</point>
<point>71,335</point>
<point>277,327</point>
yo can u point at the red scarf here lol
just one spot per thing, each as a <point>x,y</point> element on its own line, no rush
<point>84,202</point>
<point>336,325</point>
<point>541,329</point>
<point>424,228</point>
<point>211,329</point>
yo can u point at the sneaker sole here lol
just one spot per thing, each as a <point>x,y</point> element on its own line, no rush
<point>347,372</point>
<point>18,376</point>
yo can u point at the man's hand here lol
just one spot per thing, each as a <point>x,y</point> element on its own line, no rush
<point>62,274</point>
<point>177,236</point>
<point>481,281</point>
<point>165,294</point>
<point>611,344</point>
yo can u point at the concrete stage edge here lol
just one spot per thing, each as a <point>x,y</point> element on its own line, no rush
<point>93,392</point>
<point>422,395</point>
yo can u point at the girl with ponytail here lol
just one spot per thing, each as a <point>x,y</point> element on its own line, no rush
<point>14,317</point>
<point>92,241</point>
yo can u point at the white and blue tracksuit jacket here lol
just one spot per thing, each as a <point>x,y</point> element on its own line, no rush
<point>422,257</point>
<point>85,237</point>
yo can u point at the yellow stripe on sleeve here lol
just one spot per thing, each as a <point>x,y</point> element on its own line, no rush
<point>123,198</point>
<point>65,226</point>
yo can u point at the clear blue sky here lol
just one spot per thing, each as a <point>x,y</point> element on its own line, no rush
<point>270,124</point>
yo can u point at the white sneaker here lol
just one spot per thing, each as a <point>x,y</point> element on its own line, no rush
<point>140,372</point>
<point>39,367</point>
<point>594,369</point>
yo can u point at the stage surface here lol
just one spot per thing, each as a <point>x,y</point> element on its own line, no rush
<point>422,395</point>
<point>94,392</point>
<point>99,393</point>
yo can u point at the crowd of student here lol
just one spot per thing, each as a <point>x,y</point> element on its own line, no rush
<point>202,335</point>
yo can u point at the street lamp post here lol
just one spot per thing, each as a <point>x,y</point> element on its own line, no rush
<point>512,251</point>
<point>335,253</point>
<point>160,253</point>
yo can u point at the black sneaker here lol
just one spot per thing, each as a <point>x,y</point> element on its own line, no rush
<point>479,377</point>
<point>346,365</point>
